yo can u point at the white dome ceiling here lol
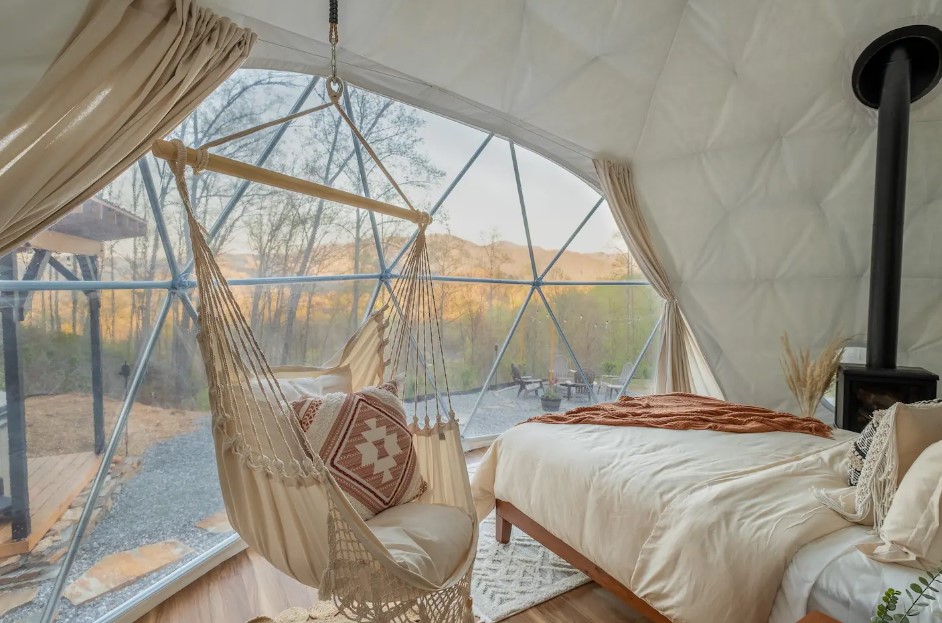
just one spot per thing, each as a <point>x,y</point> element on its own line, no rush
<point>753,160</point>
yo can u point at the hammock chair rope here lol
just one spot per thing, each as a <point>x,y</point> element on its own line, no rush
<point>280,496</point>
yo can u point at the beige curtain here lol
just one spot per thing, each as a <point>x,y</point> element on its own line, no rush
<point>681,366</point>
<point>131,72</point>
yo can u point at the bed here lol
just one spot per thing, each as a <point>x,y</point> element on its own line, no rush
<point>648,512</point>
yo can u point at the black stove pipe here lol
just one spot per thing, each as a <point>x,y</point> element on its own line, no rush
<point>889,208</point>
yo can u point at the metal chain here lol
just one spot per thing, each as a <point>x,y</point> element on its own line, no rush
<point>333,36</point>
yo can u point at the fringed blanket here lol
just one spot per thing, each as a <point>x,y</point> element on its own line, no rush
<point>687,412</point>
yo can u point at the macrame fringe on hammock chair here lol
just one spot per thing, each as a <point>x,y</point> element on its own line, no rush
<point>279,495</point>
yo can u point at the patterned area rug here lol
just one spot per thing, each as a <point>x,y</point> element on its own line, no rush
<point>507,579</point>
<point>511,578</point>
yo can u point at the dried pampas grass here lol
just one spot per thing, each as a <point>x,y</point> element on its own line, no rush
<point>809,378</point>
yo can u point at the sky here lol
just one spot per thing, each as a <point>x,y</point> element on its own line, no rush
<point>486,198</point>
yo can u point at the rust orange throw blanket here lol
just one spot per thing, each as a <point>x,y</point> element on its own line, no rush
<point>687,412</point>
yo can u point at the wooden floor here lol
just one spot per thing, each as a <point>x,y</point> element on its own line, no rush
<point>246,586</point>
<point>54,481</point>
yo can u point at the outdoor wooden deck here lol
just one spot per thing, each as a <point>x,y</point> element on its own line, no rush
<point>54,482</point>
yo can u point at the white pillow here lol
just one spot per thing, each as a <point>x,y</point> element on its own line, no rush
<point>299,382</point>
<point>910,532</point>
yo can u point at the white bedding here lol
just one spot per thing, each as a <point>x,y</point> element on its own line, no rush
<point>603,490</point>
<point>832,576</point>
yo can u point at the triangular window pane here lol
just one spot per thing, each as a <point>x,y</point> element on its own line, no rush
<point>607,326</point>
<point>248,98</point>
<point>597,253</point>
<point>523,375</point>
<point>557,201</point>
<point>479,232</point>
<point>476,319</point>
<point>306,323</point>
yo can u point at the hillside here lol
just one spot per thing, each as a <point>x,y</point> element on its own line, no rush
<point>453,255</point>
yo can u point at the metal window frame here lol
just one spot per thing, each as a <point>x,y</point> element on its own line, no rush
<point>178,287</point>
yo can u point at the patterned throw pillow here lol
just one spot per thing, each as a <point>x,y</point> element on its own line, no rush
<point>364,439</point>
<point>857,453</point>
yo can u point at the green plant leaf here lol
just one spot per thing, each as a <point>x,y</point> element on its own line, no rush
<point>916,588</point>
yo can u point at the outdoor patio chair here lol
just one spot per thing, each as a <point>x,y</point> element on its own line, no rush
<point>561,370</point>
<point>583,387</point>
<point>525,384</point>
<point>613,384</point>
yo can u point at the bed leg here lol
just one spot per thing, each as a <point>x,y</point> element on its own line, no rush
<point>503,529</point>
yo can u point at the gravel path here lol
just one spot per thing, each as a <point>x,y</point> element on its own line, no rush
<point>176,487</point>
<point>501,409</point>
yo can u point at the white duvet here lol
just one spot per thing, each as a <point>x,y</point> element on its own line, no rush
<point>699,524</point>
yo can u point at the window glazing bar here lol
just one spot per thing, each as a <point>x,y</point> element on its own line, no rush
<point>260,161</point>
<point>644,349</point>
<point>137,377</point>
<point>523,208</point>
<point>419,355</point>
<point>19,286</point>
<point>500,355</point>
<point>638,282</point>
<point>372,303</point>
<point>565,246</point>
<point>572,353</point>
<point>518,282</point>
<point>266,281</point>
<point>444,196</point>
<point>364,182</point>
<point>528,282</point>
<point>148,181</point>
<point>45,286</point>
<point>189,307</point>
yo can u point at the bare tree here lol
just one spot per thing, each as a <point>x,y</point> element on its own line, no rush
<point>333,238</point>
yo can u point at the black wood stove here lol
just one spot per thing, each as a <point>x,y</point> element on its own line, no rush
<point>892,72</point>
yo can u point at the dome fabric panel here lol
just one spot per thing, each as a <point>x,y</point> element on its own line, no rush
<point>752,159</point>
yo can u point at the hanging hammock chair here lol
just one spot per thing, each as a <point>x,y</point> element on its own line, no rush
<point>280,496</point>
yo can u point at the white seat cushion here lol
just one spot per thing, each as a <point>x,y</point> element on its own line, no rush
<point>428,539</point>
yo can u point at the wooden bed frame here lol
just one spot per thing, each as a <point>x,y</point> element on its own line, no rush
<point>509,516</point>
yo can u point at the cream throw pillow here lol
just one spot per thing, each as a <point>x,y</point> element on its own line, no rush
<point>299,382</point>
<point>364,439</point>
<point>910,531</point>
<point>905,430</point>
<point>917,427</point>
